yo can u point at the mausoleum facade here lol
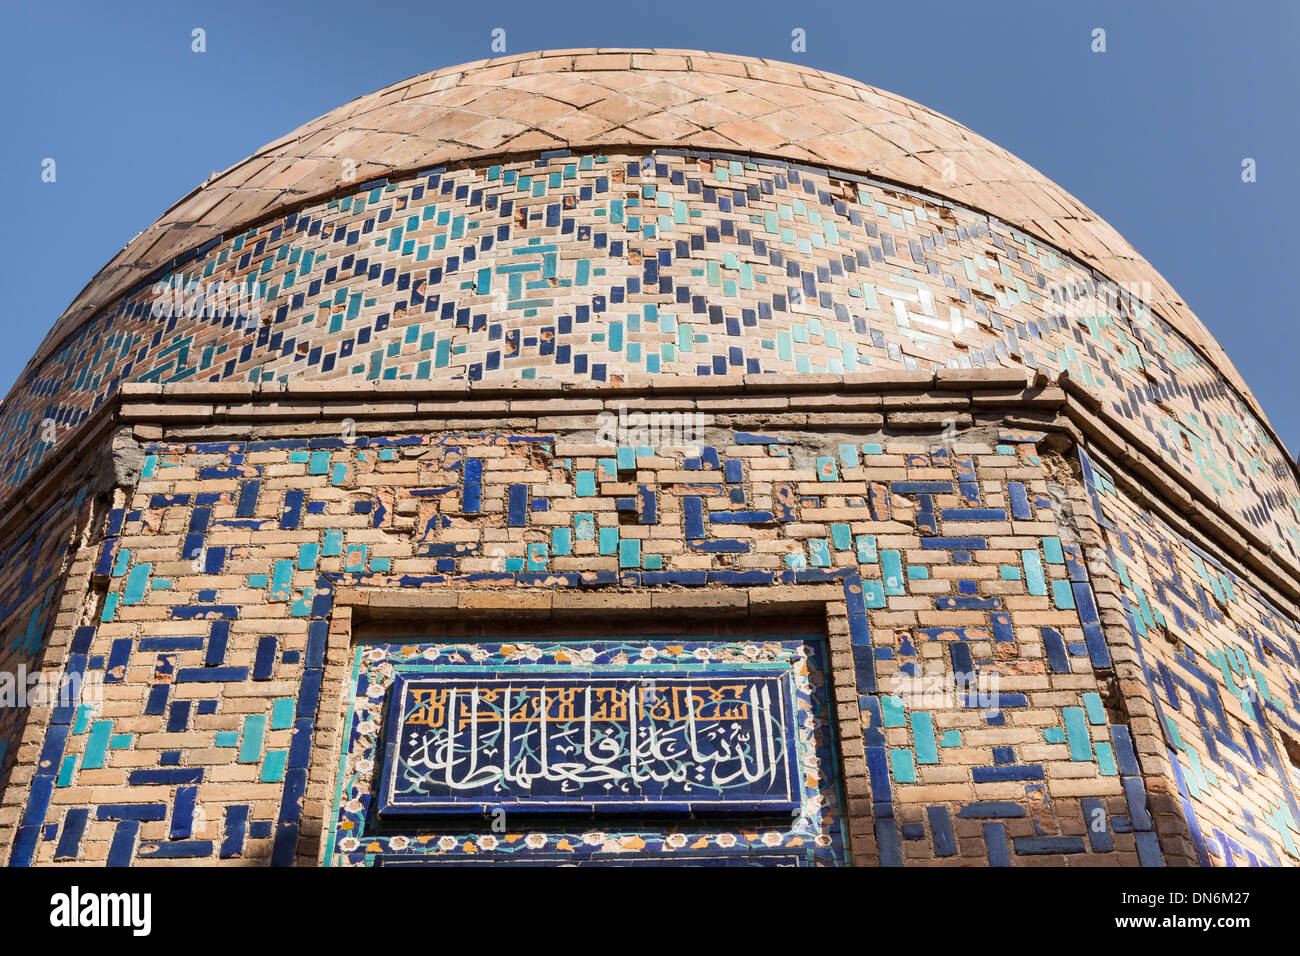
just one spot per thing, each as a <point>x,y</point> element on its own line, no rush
<point>622,456</point>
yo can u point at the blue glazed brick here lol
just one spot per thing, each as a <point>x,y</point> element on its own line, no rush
<point>954,544</point>
<point>211,675</point>
<point>264,660</point>
<point>1036,846</point>
<point>995,841</point>
<point>888,843</point>
<point>921,487</point>
<point>1094,818</point>
<point>119,656</point>
<point>122,848</point>
<point>142,778</point>
<point>25,846</point>
<point>178,850</point>
<point>878,773</point>
<point>1148,849</point>
<point>945,840</point>
<point>74,825</point>
<point>1019,501</point>
<point>1125,758</point>
<point>1002,774</point>
<point>1054,648</point>
<point>236,830</point>
<point>218,635</point>
<point>1136,796</point>
<point>183,813</point>
<point>517,506</point>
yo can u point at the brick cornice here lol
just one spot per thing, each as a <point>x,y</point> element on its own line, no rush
<point>905,401</point>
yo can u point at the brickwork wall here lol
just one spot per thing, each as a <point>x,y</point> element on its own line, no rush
<point>1220,666</point>
<point>33,563</point>
<point>231,577</point>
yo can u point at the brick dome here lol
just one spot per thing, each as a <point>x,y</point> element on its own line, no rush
<point>1007,253</point>
<point>587,99</point>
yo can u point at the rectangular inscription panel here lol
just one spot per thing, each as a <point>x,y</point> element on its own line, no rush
<point>656,742</point>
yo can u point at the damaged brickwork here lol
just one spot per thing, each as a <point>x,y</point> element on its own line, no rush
<point>236,576</point>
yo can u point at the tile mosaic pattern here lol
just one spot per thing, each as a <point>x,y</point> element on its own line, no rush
<point>1222,666</point>
<point>815,838</point>
<point>31,585</point>
<point>614,268</point>
<point>610,99</point>
<point>222,574</point>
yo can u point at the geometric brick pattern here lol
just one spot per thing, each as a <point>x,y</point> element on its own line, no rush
<point>633,268</point>
<point>1221,666</point>
<point>595,100</point>
<point>951,560</point>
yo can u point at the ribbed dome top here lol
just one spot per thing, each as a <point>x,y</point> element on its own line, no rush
<point>573,99</point>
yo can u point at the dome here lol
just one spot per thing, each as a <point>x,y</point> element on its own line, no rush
<point>624,107</point>
<point>589,99</point>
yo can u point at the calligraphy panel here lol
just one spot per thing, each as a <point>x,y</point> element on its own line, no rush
<point>739,822</point>
<point>591,742</point>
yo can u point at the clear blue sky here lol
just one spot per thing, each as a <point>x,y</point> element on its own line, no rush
<point>1150,134</point>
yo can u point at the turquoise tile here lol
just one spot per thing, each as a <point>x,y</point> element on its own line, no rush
<point>1096,712</point>
<point>250,750</point>
<point>282,711</point>
<point>902,765</point>
<point>274,765</point>
<point>1034,578</point>
<point>136,583</point>
<point>923,737</point>
<point>841,537</point>
<point>1076,734</point>
<point>891,569</point>
<point>1106,759</point>
<point>97,745</point>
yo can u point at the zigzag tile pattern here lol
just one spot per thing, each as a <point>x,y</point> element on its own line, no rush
<point>631,267</point>
<point>585,99</point>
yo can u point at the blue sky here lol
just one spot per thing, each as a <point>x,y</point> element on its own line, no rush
<point>1151,134</point>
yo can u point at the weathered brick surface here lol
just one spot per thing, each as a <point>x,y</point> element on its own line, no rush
<point>922,559</point>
